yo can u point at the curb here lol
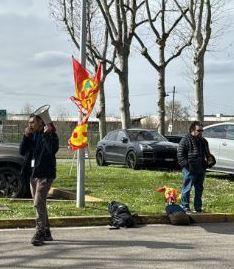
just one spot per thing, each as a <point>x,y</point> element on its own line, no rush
<point>79,221</point>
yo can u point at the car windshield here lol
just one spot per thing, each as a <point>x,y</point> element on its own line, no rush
<point>143,135</point>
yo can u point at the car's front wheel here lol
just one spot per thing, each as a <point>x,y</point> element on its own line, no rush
<point>131,160</point>
<point>100,158</point>
<point>9,181</point>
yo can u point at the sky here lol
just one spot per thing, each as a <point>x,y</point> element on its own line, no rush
<point>36,69</point>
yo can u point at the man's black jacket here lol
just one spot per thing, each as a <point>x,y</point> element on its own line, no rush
<point>192,153</point>
<point>41,147</point>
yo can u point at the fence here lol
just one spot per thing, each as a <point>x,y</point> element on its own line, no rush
<point>11,134</point>
<point>12,131</point>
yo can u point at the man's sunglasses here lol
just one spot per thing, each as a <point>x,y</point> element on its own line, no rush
<point>199,130</point>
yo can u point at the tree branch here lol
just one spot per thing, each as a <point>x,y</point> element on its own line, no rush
<point>208,28</point>
<point>109,22</point>
<point>150,19</point>
<point>145,53</point>
<point>184,14</point>
<point>177,21</point>
<point>179,51</point>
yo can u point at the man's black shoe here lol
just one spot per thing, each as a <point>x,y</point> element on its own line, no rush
<point>38,239</point>
<point>187,210</point>
<point>47,235</point>
<point>198,211</point>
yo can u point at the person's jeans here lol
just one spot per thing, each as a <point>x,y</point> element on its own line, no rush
<point>189,180</point>
<point>39,189</point>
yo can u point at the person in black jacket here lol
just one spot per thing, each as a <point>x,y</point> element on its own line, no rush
<point>39,146</point>
<point>192,156</point>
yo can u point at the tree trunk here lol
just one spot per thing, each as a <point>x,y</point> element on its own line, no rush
<point>161,102</point>
<point>161,86</point>
<point>124,92</point>
<point>198,61</point>
<point>102,110</point>
<point>201,35</point>
<point>198,84</point>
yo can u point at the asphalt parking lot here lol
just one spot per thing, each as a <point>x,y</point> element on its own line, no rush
<point>151,246</point>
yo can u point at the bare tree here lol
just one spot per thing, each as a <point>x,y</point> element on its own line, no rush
<point>67,14</point>
<point>120,18</point>
<point>27,109</point>
<point>62,113</point>
<point>200,17</point>
<point>166,24</point>
<point>98,44</point>
<point>177,111</point>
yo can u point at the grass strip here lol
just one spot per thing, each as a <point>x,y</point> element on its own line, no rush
<point>132,187</point>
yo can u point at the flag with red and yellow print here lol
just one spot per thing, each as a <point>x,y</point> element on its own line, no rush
<point>86,88</point>
<point>79,137</point>
<point>86,91</point>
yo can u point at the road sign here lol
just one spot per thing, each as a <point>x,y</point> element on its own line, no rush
<point>3,114</point>
<point>170,126</point>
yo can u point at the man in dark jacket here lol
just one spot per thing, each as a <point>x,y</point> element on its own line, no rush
<point>39,146</point>
<point>192,156</point>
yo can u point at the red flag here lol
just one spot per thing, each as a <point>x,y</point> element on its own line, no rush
<point>86,88</point>
<point>86,91</point>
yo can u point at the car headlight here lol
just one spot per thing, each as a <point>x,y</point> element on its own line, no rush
<point>145,146</point>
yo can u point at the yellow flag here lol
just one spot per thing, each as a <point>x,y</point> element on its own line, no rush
<point>79,138</point>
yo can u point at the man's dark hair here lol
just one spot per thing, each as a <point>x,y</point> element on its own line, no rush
<point>193,125</point>
<point>36,117</point>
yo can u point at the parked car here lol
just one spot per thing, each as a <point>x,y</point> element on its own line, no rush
<point>10,165</point>
<point>136,148</point>
<point>221,142</point>
<point>174,138</point>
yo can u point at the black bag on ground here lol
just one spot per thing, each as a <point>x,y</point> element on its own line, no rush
<point>120,215</point>
<point>177,215</point>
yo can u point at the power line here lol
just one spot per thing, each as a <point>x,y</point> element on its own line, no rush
<point>133,95</point>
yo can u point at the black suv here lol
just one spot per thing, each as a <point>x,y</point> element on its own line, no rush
<point>10,166</point>
<point>136,148</point>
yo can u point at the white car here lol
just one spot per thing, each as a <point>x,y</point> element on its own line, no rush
<point>221,142</point>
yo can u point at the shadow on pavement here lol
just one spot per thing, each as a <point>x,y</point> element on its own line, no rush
<point>123,243</point>
<point>228,228</point>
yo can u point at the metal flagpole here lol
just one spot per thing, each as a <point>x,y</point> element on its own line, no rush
<point>80,193</point>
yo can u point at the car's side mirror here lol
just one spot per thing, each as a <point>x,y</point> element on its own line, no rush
<point>124,140</point>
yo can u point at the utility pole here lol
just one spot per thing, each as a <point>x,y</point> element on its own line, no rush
<point>172,110</point>
<point>80,190</point>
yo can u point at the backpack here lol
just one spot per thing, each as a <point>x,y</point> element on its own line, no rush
<point>177,215</point>
<point>120,215</point>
